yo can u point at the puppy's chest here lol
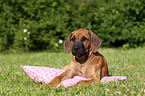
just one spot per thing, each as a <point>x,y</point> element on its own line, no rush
<point>82,71</point>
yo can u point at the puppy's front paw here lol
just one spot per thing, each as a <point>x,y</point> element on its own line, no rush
<point>42,86</point>
<point>48,84</point>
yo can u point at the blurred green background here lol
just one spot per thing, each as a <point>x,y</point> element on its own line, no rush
<point>37,25</point>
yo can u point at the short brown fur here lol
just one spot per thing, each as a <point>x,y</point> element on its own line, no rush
<point>92,66</point>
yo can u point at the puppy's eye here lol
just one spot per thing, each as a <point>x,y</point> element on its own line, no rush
<point>73,39</point>
<point>84,38</point>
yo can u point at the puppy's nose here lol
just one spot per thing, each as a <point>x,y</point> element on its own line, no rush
<point>77,46</point>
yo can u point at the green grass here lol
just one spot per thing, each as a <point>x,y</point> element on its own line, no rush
<point>121,62</point>
<point>1,44</point>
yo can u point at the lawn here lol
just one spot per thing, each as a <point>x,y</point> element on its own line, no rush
<point>121,62</point>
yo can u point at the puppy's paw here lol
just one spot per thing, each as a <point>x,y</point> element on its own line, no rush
<point>42,86</point>
<point>50,85</point>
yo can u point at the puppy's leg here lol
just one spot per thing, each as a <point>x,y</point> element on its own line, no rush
<point>56,80</point>
<point>95,78</point>
<point>84,83</point>
<point>104,71</point>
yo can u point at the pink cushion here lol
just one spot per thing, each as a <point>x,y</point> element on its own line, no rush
<point>46,74</point>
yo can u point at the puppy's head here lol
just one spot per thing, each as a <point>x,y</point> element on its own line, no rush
<point>81,42</point>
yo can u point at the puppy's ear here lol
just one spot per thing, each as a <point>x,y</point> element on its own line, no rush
<point>67,44</point>
<point>95,42</point>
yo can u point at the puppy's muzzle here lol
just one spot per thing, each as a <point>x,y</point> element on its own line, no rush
<point>78,49</point>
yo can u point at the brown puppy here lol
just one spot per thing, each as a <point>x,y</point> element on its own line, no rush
<point>86,62</point>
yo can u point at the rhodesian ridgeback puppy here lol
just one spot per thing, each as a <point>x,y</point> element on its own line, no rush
<point>86,60</point>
